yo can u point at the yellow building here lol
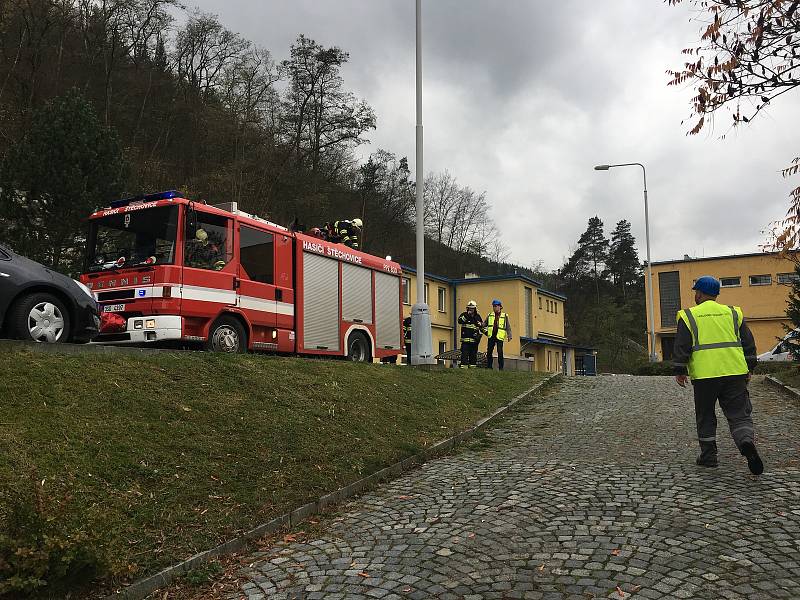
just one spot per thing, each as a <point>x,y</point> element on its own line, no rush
<point>536,316</point>
<point>759,283</point>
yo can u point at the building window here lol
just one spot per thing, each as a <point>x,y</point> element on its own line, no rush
<point>549,360</point>
<point>669,296</point>
<point>760,279</point>
<point>442,350</point>
<point>426,294</point>
<point>787,278</point>
<point>730,281</point>
<point>540,303</point>
<point>406,290</point>
<point>442,299</point>
<point>555,305</point>
<point>529,311</point>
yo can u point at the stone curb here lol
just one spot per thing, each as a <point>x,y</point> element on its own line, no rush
<point>778,383</point>
<point>19,345</point>
<point>144,587</point>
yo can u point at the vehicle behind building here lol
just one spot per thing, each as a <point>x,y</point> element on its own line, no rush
<point>166,269</point>
<point>783,350</point>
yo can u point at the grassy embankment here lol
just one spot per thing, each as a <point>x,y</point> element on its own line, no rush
<point>120,465</point>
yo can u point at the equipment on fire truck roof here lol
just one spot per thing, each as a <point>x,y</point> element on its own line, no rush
<point>145,198</point>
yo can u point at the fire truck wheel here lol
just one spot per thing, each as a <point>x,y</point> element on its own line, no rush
<point>227,335</point>
<point>358,349</point>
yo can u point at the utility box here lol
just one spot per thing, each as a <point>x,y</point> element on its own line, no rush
<point>421,342</point>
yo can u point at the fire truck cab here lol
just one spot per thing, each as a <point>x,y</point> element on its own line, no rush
<point>166,269</point>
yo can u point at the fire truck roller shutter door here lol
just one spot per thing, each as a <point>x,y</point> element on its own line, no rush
<point>320,302</point>
<point>387,311</point>
<point>356,294</point>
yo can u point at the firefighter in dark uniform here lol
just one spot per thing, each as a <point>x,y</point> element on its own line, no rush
<point>347,232</point>
<point>407,338</point>
<point>471,325</point>
<point>715,346</point>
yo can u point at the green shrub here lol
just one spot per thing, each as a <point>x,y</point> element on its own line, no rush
<point>764,368</point>
<point>654,368</point>
<point>39,550</point>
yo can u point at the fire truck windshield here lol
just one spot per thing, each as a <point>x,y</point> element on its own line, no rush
<point>129,239</point>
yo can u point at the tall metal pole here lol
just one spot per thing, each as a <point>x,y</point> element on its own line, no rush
<point>420,171</point>
<point>653,355</point>
<point>421,341</point>
<point>650,309</point>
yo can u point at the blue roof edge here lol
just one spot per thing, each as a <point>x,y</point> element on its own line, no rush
<point>506,277</point>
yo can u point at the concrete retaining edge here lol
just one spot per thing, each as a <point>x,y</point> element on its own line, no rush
<point>139,590</point>
<point>778,383</point>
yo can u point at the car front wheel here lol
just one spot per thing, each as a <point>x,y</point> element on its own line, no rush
<point>40,317</point>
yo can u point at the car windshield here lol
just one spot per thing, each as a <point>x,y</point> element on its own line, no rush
<point>128,239</point>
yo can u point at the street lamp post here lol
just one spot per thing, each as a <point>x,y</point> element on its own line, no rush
<point>653,355</point>
<point>421,343</point>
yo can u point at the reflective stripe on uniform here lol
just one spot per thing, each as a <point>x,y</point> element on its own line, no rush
<point>716,340</point>
<point>707,439</point>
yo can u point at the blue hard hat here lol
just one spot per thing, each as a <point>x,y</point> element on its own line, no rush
<point>707,285</point>
<point>496,302</point>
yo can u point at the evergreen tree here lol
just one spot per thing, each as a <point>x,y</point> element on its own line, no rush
<point>623,261</point>
<point>793,312</point>
<point>591,255</point>
<point>67,165</point>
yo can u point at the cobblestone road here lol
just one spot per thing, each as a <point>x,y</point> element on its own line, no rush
<point>590,492</point>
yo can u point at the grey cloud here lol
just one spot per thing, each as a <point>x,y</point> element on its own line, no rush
<point>522,98</point>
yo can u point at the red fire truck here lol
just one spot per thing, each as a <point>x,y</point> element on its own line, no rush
<point>166,269</point>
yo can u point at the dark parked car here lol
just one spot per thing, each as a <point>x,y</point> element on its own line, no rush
<point>41,305</point>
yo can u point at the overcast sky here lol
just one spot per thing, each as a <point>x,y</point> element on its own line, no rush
<point>523,97</point>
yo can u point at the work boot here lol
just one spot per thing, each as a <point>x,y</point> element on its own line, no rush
<point>754,463</point>
<point>708,455</point>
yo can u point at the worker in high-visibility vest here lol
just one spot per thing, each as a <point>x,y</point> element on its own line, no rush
<point>471,326</point>
<point>498,330</point>
<point>715,346</point>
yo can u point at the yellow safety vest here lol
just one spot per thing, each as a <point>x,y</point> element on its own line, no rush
<point>716,345</point>
<point>501,326</point>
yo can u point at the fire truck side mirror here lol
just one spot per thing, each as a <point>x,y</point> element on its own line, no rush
<point>191,223</point>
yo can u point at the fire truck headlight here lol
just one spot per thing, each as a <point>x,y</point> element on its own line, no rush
<point>274,334</point>
<point>150,324</point>
<point>138,324</point>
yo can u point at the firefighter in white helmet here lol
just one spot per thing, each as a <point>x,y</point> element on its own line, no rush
<point>471,326</point>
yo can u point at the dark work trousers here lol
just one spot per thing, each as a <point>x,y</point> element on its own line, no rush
<point>734,399</point>
<point>408,353</point>
<point>469,354</point>
<point>490,350</point>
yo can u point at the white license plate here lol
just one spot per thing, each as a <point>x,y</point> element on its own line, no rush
<point>114,308</point>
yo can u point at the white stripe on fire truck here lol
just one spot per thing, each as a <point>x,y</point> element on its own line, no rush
<point>206,294</point>
<point>251,303</point>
